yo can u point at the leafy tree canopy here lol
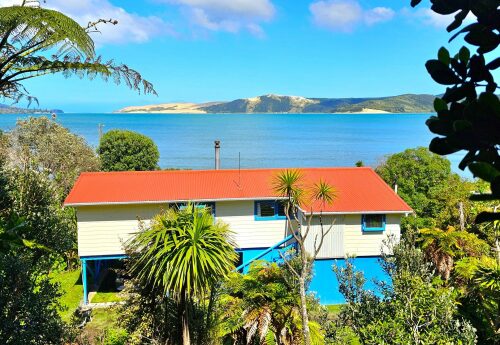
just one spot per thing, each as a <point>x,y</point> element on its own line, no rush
<point>122,150</point>
<point>44,145</point>
<point>426,183</point>
<point>35,41</point>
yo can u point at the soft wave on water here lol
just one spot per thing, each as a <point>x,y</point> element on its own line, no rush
<point>262,140</point>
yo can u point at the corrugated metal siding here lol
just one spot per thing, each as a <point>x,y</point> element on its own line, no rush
<point>333,243</point>
<point>248,232</point>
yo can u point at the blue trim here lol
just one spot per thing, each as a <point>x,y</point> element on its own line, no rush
<point>267,251</point>
<point>84,282</point>
<point>367,229</point>
<point>104,257</point>
<point>275,206</point>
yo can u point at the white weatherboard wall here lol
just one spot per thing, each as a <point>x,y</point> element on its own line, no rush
<point>359,243</point>
<point>103,229</point>
<point>249,233</point>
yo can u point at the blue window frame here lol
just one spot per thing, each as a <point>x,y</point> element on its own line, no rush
<point>373,222</point>
<point>209,205</point>
<point>269,210</point>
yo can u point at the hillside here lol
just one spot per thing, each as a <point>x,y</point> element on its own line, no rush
<point>7,109</point>
<point>409,103</point>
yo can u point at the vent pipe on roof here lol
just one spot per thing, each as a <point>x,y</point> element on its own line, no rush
<point>217,154</point>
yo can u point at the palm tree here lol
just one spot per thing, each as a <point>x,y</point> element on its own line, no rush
<point>290,185</point>
<point>35,41</point>
<point>184,253</point>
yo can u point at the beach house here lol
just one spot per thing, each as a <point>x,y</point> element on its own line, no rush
<point>366,211</point>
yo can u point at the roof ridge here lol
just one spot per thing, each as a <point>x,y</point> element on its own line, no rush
<point>218,171</point>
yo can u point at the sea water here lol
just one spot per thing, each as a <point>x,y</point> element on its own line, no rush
<point>261,140</point>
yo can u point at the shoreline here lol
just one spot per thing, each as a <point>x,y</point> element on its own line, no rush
<point>163,113</point>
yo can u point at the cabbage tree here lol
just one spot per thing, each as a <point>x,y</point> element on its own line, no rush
<point>184,253</point>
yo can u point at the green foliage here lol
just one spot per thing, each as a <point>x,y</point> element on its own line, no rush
<point>35,41</point>
<point>443,247</point>
<point>264,306</point>
<point>35,200</point>
<point>182,254</point>
<point>416,308</point>
<point>115,337</point>
<point>426,183</point>
<point>29,308</point>
<point>478,280</point>
<point>122,150</point>
<point>469,111</point>
<point>41,144</point>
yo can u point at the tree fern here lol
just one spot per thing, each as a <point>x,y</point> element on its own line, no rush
<point>35,41</point>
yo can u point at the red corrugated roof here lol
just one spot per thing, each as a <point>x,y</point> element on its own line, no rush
<point>358,189</point>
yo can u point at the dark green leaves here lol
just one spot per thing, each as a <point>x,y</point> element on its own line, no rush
<point>484,171</point>
<point>444,56</point>
<point>441,73</point>
<point>468,114</point>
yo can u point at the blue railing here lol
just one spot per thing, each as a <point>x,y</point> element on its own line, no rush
<point>265,252</point>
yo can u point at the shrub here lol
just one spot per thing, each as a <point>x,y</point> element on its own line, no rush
<point>122,150</point>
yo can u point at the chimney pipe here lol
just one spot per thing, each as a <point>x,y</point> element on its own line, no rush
<point>217,154</point>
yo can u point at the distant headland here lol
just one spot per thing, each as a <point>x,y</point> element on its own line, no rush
<point>8,109</point>
<point>407,103</point>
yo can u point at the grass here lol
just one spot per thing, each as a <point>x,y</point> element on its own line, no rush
<point>105,296</point>
<point>104,322</point>
<point>334,308</point>
<point>72,289</point>
<point>107,290</point>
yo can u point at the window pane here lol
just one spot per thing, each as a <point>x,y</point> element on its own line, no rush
<point>281,209</point>
<point>374,220</point>
<point>265,208</point>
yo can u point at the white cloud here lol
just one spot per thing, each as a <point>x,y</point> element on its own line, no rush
<point>346,15</point>
<point>378,14</point>
<point>431,18</point>
<point>227,15</point>
<point>130,28</point>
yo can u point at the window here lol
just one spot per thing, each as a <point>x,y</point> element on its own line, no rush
<point>269,210</point>
<point>209,205</point>
<point>373,222</point>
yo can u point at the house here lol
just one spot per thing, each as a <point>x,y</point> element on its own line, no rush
<point>365,212</point>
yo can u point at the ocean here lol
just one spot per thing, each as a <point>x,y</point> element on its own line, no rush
<point>261,140</point>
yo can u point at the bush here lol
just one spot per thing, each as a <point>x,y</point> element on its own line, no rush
<point>417,308</point>
<point>122,150</point>
<point>115,337</point>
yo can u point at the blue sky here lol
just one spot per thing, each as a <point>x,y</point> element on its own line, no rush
<point>207,50</point>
